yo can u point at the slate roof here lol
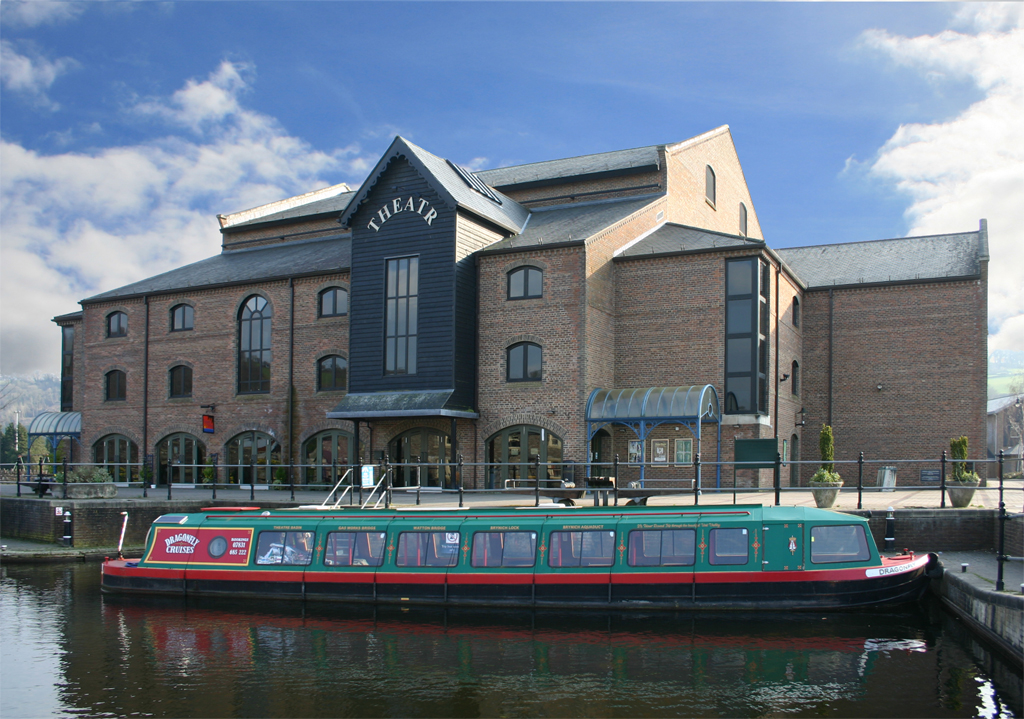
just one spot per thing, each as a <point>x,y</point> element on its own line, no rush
<point>880,261</point>
<point>673,238</point>
<point>448,183</point>
<point>1000,403</point>
<point>575,222</point>
<point>415,403</point>
<point>336,204</point>
<point>318,256</point>
<point>603,163</point>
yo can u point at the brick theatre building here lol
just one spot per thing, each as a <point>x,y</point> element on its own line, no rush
<point>533,318</point>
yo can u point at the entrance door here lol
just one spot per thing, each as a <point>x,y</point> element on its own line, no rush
<point>179,457</point>
<point>426,447</point>
<point>783,546</point>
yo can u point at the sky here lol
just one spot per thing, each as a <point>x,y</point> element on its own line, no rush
<point>126,127</point>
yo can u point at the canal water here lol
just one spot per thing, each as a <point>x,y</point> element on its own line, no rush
<point>69,651</point>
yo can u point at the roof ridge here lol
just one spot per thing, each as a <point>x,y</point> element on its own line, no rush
<point>716,232</point>
<point>884,239</point>
<point>236,218</point>
<point>607,201</point>
<point>572,157</point>
<point>293,243</point>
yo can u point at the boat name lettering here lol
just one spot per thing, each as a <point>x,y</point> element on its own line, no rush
<point>191,540</point>
<point>495,528</point>
<point>420,206</point>
<point>435,529</point>
<point>358,529</point>
<point>583,526</point>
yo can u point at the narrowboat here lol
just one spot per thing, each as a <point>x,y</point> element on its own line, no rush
<point>743,557</point>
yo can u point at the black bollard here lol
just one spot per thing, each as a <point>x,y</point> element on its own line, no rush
<point>68,538</point>
<point>890,531</point>
<point>460,479</point>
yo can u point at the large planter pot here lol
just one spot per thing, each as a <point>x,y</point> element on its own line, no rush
<point>90,490</point>
<point>961,493</point>
<point>825,494</point>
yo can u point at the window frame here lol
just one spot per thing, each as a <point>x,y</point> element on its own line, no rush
<point>261,315</point>
<point>331,549</point>
<point>710,186</point>
<point>320,373</point>
<point>123,377</point>
<point>487,538</point>
<point>556,543</point>
<point>402,360</point>
<point>525,270</point>
<point>188,315</point>
<point>794,378</point>
<point>795,316</point>
<point>453,558</point>
<point>186,374</point>
<point>336,291</point>
<point>122,318</point>
<point>743,220</point>
<point>723,560</point>
<point>288,540</point>
<point>525,364</point>
<point>861,537</point>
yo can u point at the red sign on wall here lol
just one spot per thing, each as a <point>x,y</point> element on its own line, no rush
<point>208,423</point>
<point>177,545</point>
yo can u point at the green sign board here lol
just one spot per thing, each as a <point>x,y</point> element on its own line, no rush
<point>762,451</point>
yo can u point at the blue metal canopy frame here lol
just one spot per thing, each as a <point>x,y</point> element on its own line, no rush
<point>644,408</point>
<point>55,426</point>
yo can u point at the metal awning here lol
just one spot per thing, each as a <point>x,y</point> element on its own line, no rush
<point>644,408</point>
<point>373,405</point>
<point>55,426</point>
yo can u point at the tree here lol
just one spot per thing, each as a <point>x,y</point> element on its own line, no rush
<point>8,453</point>
<point>826,445</point>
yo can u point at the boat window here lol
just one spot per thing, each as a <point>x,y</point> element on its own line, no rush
<point>427,549</point>
<point>839,543</point>
<point>288,548</point>
<point>354,549</point>
<point>504,549</point>
<point>582,549</point>
<point>662,547</point>
<point>728,546</point>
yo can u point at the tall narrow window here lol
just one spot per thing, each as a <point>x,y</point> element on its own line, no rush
<point>795,377</point>
<point>746,336</point>
<point>709,184</point>
<point>117,324</point>
<point>182,318</point>
<point>401,315</point>
<point>116,386</point>
<point>332,374</point>
<point>254,346</point>
<point>67,368</point>
<point>524,362</point>
<point>743,219</point>
<point>181,381</point>
<point>333,302</point>
<point>796,312</point>
<point>524,283</point>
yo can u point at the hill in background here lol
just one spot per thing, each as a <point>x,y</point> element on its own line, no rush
<point>1004,366</point>
<point>29,396</point>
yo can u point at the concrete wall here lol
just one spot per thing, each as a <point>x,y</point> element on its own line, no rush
<point>998,617</point>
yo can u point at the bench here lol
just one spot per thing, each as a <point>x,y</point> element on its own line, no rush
<point>41,487</point>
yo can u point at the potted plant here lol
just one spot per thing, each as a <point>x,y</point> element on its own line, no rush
<point>89,483</point>
<point>826,481</point>
<point>964,481</point>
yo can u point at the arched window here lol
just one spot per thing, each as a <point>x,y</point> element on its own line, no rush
<point>430,447</point>
<point>332,374</point>
<point>254,346</point>
<point>795,377</point>
<point>796,312</point>
<point>327,456</point>
<point>116,386</point>
<point>117,324</point>
<point>249,451</point>
<point>513,453</point>
<point>524,362</point>
<point>525,282</point>
<point>743,219</point>
<point>181,381</point>
<point>182,318</point>
<point>334,302</point>
<point>179,459</point>
<point>118,455</point>
<point>709,184</point>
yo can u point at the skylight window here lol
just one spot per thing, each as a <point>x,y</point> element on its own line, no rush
<point>474,182</point>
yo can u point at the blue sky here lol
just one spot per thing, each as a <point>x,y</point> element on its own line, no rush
<point>127,127</point>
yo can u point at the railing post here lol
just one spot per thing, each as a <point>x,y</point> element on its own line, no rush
<point>536,481</point>
<point>1001,557</point>
<point>214,457</point>
<point>860,480</point>
<point>17,472</point>
<point>942,481</point>
<point>66,476</point>
<point>615,480</point>
<point>291,479</point>
<point>460,479</point>
<point>696,479</point>
<point>148,463</point>
<point>419,477</point>
<point>39,477</point>
<point>252,474</point>
<point>890,531</point>
<point>334,478</point>
<point>170,477</point>
<point>777,480</point>
<point>387,482</point>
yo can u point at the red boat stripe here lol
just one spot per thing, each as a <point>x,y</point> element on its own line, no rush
<point>146,572</point>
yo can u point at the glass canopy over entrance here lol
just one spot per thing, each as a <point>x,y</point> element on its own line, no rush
<point>644,408</point>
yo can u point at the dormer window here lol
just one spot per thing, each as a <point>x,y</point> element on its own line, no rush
<point>525,283</point>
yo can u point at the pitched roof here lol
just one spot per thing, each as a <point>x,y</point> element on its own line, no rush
<point>315,202</point>
<point>906,259</point>
<point>568,223</point>
<point>456,192</point>
<point>602,164</point>
<point>673,238</point>
<point>330,205</point>
<point>322,255</point>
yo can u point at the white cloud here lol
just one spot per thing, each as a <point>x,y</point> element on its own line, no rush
<point>39,12</point>
<point>76,224</point>
<point>31,75</point>
<point>971,166</point>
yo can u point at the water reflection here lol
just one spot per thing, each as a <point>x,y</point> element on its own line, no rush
<point>66,651</point>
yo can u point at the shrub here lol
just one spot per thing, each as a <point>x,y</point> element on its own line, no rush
<point>825,477</point>
<point>958,450</point>
<point>85,474</point>
<point>826,446</point>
